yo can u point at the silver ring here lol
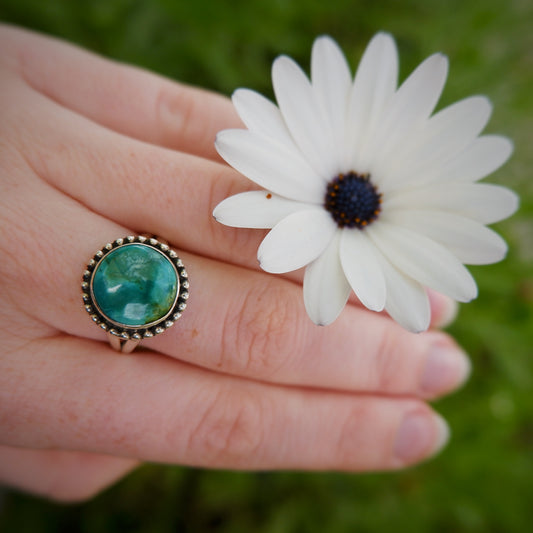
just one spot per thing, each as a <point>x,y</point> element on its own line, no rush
<point>135,288</point>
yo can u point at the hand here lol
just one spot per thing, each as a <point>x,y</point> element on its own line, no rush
<point>92,151</point>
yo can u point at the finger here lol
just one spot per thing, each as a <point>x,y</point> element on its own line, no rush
<point>81,395</point>
<point>47,64</point>
<point>131,182</point>
<point>444,310</point>
<point>170,193</point>
<point>123,98</point>
<point>238,321</point>
<point>61,475</point>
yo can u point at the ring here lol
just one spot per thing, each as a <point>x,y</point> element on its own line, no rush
<point>135,288</point>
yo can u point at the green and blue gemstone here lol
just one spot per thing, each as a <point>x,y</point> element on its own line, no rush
<point>135,285</point>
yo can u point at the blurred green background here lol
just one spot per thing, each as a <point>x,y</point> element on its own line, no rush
<point>483,482</point>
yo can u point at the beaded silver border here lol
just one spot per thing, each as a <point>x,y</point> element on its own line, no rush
<point>123,331</point>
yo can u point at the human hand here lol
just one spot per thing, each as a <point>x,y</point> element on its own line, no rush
<point>91,151</point>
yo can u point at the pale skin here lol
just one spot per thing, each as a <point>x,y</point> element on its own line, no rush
<point>90,151</point>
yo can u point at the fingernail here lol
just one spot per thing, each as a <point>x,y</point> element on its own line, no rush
<point>420,435</point>
<point>447,368</point>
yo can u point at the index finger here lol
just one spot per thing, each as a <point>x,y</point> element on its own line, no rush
<point>123,98</point>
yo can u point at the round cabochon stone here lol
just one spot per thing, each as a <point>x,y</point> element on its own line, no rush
<point>135,285</point>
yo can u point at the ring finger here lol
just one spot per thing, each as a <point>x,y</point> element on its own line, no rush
<point>239,321</point>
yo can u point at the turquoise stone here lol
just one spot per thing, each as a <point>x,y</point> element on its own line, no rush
<point>135,285</point>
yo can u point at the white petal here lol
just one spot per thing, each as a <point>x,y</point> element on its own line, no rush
<point>296,241</point>
<point>455,126</point>
<point>471,242</point>
<point>304,116</point>
<point>375,82</point>
<point>483,157</point>
<point>419,93</point>
<point>260,115</point>
<point>326,289</point>
<point>407,301</point>
<point>256,209</point>
<point>443,136</point>
<point>410,106</point>
<point>479,159</point>
<point>331,80</point>
<point>271,165</point>
<point>424,260</point>
<point>362,268</point>
<point>483,202</point>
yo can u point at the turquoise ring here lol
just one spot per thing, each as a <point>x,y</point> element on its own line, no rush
<point>135,288</point>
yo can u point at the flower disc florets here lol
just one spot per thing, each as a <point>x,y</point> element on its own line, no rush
<point>352,200</point>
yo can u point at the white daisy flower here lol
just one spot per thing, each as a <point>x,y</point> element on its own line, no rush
<point>364,186</point>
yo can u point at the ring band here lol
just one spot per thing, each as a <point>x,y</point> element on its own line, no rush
<point>135,288</point>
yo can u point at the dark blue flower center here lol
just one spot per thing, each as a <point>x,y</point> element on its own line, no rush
<point>352,200</point>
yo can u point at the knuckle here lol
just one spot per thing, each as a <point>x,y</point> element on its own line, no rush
<point>230,430</point>
<point>261,333</point>
<point>348,452</point>
<point>175,108</point>
<point>227,238</point>
<point>360,446</point>
<point>171,103</point>
<point>392,361</point>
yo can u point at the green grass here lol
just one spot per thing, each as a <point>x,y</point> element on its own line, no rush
<point>483,481</point>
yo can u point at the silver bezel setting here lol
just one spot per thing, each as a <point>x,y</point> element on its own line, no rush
<point>136,333</point>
